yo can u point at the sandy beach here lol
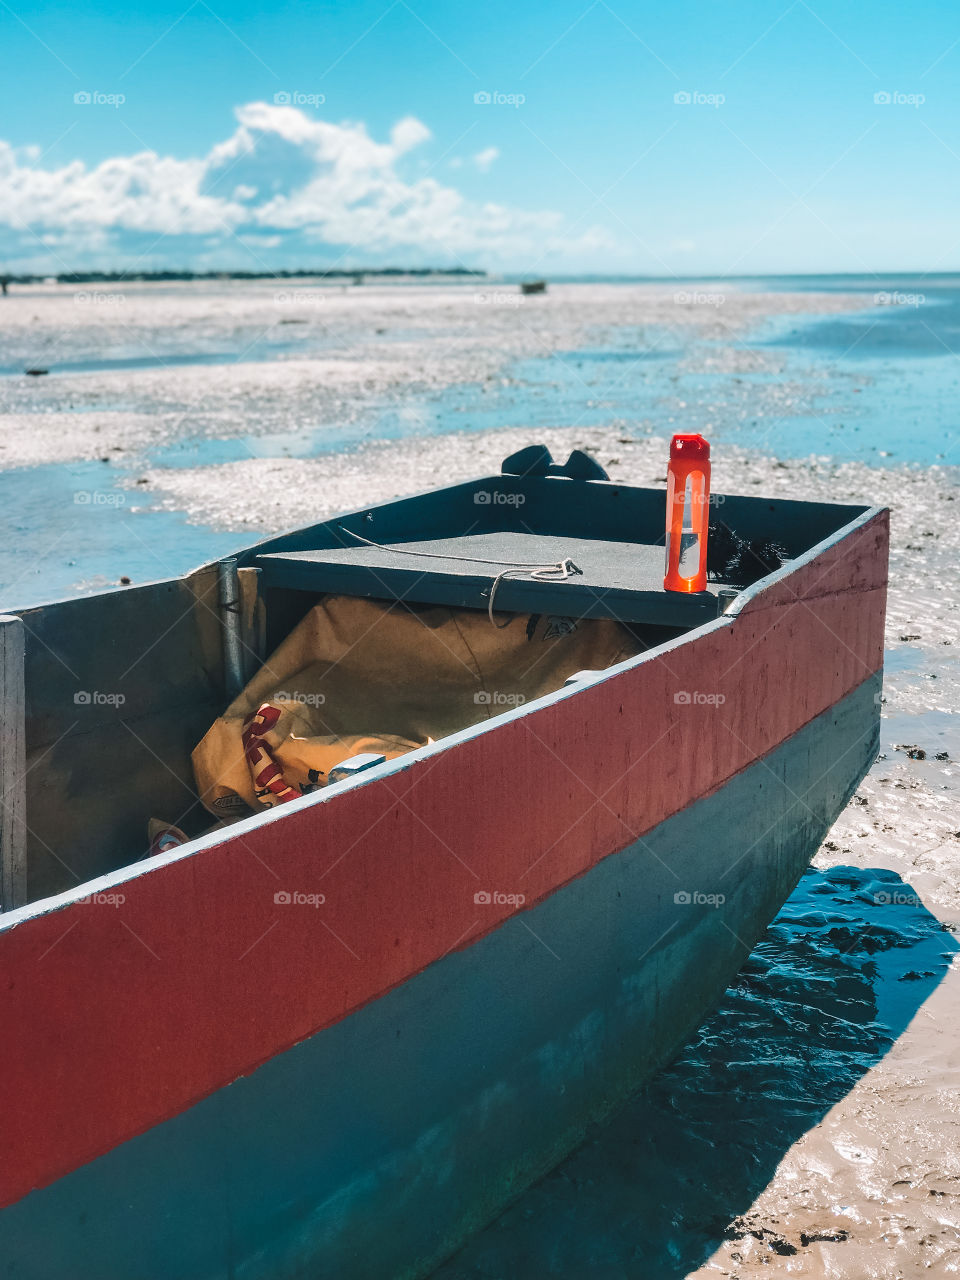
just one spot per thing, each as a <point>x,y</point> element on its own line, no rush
<point>247,409</point>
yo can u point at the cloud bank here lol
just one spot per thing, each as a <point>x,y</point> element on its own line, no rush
<point>283,190</point>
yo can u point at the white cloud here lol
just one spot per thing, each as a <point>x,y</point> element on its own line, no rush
<point>409,132</point>
<point>283,181</point>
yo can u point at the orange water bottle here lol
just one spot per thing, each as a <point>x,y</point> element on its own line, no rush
<point>688,506</point>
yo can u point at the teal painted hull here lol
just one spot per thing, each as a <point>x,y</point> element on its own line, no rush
<point>374,1148</point>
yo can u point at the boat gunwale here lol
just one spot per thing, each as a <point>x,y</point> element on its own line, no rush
<point>247,554</point>
<point>133,871</point>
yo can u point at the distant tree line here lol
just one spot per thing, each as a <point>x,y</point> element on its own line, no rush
<point>115,277</point>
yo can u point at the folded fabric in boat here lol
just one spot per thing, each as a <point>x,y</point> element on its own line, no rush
<point>364,676</point>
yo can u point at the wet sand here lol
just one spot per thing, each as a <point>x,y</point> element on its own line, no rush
<point>812,1126</point>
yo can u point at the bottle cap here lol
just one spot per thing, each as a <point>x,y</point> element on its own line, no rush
<point>689,448</point>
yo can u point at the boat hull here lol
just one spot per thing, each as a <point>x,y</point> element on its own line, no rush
<point>376,1145</point>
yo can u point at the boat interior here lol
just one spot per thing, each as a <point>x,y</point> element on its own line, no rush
<point>120,687</point>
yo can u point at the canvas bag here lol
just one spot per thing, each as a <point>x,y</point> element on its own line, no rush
<point>364,676</point>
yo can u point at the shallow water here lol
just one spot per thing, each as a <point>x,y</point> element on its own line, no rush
<point>834,982</point>
<point>72,530</point>
<point>877,384</point>
<point>791,384</point>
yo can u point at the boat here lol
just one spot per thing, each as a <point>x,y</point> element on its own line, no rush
<point>338,1035</point>
<point>533,286</point>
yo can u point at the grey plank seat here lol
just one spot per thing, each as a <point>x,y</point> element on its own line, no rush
<point>622,580</point>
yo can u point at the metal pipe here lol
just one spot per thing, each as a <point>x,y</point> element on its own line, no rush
<point>259,655</point>
<point>231,624</point>
<point>13,821</point>
<point>725,598</point>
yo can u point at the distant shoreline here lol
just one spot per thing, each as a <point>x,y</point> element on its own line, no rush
<point>115,277</point>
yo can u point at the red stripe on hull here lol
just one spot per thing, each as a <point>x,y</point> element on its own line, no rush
<point>126,1014</point>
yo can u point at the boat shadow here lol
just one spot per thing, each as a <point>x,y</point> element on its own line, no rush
<point>834,981</point>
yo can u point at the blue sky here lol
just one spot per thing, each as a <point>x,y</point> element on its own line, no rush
<point>815,138</point>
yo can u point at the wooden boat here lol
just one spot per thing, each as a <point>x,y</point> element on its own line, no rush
<point>520,923</point>
<point>533,286</point>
